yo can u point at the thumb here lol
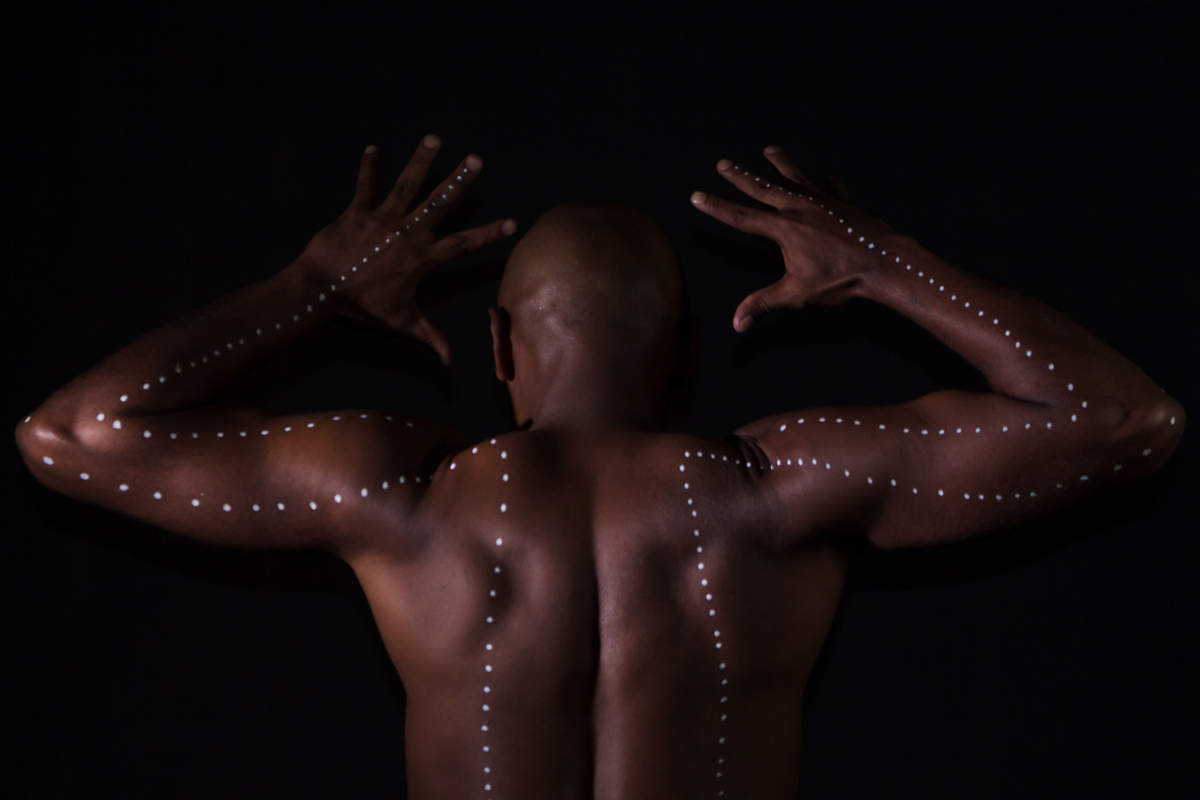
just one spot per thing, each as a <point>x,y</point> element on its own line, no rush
<point>759,304</point>
<point>428,333</point>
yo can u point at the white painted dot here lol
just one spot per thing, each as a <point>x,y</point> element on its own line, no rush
<point>492,592</point>
<point>227,507</point>
<point>255,507</point>
<point>124,398</point>
<point>385,485</point>
<point>1083,477</point>
<point>1146,452</point>
<point>503,507</point>
<point>1070,387</point>
<point>966,497</point>
<point>499,542</point>
<point>195,502</point>
<point>279,506</point>
<point>158,495</point>
<point>146,434</point>
<point>681,467</point>
<point>47,460</point>
<point>337,498</point>
<point>782,428</point>
<point>1117,468</point>
<point>1051,367</point>
<point>117,424</point>
<point>99,418</point>
<point>893,481</point>
<point>941,493</point>
<point>504,454</point>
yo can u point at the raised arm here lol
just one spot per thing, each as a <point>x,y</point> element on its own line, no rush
<point>135,434</point>
<point>1067,414</point>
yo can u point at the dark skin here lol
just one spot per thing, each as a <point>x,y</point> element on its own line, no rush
<point>590,606</point>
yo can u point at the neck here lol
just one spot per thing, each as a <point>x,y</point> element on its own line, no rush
<point>580,392</point>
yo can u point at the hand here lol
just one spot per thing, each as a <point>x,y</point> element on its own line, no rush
<point>824,239</point>
<point>376,253</point>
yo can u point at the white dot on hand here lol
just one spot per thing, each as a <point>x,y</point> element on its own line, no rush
<point>227,507</point>
<point>364,492</point>
<point>195,502</point>
<point>47,460</point>
<point>279,506</point>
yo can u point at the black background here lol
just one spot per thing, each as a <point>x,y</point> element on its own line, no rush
<point>161,156</point>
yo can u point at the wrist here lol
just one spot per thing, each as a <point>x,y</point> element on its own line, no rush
<point>896,252</point>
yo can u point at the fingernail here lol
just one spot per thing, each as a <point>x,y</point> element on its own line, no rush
<point>698,197</point>
<point>724,164</point>
<point>509,227</point>
<point>371,148</point>
<point>431,141</point>
<point>473,162</point>
<point>771,149</point>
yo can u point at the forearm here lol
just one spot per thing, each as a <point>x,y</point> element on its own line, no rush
<point>1026,350</point>
<point>187,361</point>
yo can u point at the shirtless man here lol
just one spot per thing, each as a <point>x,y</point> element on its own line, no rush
<point>590,606</point>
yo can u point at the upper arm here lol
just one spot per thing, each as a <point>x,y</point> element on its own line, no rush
<point>244,478</point>
<point>947,465</point>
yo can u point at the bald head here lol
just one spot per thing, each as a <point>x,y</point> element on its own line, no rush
<point>593,275</point>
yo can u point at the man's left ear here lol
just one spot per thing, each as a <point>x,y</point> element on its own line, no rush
<point>501,326</point>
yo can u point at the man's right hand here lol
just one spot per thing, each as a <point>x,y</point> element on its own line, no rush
<point>825,240</point>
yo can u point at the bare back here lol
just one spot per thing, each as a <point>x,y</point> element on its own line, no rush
<point>598,615</point>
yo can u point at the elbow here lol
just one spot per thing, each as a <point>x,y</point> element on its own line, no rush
<point>41,443</point>
<point>1153,428</point>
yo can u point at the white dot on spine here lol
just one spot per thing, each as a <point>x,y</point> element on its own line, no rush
<point>47,460</point>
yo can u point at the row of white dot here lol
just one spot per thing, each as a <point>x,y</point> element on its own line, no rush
<point>712,612</point>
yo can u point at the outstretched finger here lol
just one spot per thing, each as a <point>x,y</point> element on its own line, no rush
<point>761,303</point>
<point>445,194</point>
<point>366,190</point>
<point>772,194</point>
<point>426,332</point>
<point>750,220</point>
<point>402,194</point>
<point>786,167</point>
<point>460,244</point>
